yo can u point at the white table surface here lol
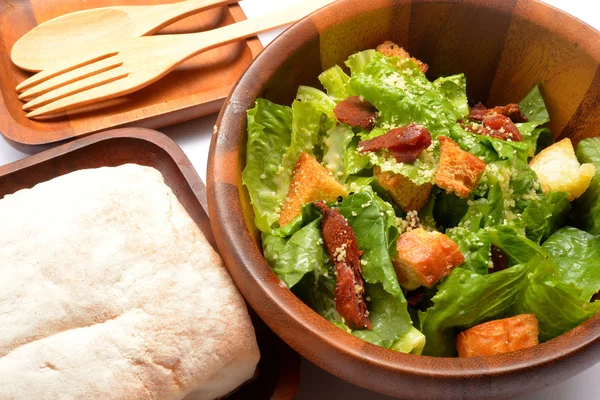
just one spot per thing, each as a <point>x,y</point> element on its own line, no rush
<point>194,137</point>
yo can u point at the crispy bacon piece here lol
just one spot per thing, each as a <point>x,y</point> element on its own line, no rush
<point>501,127</point>
<point>356,112</point>
<point>405,143</point>
<point>495,125</point>
<point>415,298</point>
<point>512,111</point>
<point>344,254</point>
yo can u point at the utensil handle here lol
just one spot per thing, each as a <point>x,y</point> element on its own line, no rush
<point>170,13</point>
<point>200,42</point>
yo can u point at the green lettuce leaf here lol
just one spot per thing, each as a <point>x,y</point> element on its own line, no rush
<point>402,94</point>
<point>518,247</point>
<point>449,209</point>
<point>355,162</point>
<point>587,207</point>
<point>306,126</point>
<point>269,135</point>
<point>357,61</point>
<point>466,299</point>
<point>534,108</point>
<point>321,101</point>
<point>454,89</point>
<point>544,215</point>
<point>317,293</point>
<point>412,342</point>
<point>475,247</point>
<point>292,258</point>
<point>336,82</point>
<point>389,317</point>
<point>337,141</point>
<point>558,306</point>
<point>373,223</point>
<point>577,255</point>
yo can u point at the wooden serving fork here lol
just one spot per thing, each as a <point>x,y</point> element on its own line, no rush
<point>134,63</point>
<point>56,39</point>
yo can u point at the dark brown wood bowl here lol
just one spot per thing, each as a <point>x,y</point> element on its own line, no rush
<point>278,373</point>
<point>504,47</point>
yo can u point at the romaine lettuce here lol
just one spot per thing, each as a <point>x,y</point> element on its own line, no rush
<point>336,82</point>
<point>577,255</point>
<point>558,306</point>
<point>357,61</point>
<point>402,94</point>
<point>269,136</point>
<point>389,317</point>
<point>292,258</point>
<point>466,299</point>
<point>306,126</point>
<point>373,223</point>
<point>587,207</point>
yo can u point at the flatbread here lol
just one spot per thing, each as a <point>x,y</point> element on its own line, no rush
<point>108,290</point>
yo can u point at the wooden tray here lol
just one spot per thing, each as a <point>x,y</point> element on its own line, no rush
<point>279,367</point>
<point>196,88</point>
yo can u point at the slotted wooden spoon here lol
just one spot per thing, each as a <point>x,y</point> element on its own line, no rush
<point>134,63</point>
<point>56,41</point>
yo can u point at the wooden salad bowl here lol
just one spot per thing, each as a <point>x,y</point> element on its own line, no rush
<point>504,47</point>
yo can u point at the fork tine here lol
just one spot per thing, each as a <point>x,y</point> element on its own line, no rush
<point>70,77</point>
<point>52,72</point>
<point>107,91</point>
<point>76,87</point>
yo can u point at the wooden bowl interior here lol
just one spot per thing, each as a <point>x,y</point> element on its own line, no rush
<point>504,48</point>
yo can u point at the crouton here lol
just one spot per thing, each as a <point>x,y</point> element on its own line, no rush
<point>499,336</point>
<point>404,192</point>
<point>391,49</point>
<point>557,170</point>
<point>310,182</point>
<point>424,258</point>
<point>458,171</point>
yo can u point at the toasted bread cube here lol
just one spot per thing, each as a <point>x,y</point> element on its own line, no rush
<point>557,169</point>
<point>458,171</point>
<point>391,49</point>
<point>404,192</point>
<point>310,182</point>
<point>499,336</point>
<point>424,258</point>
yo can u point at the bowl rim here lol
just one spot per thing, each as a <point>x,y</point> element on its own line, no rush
<point>244,258</point>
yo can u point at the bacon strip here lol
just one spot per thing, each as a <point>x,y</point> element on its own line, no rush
<point>512,111</point>
<point>404,143</point>
<point>356,112</point>
<point>495,125</point>
<point>344,254</point>
<point>415,298</point>
<point>501,127</point>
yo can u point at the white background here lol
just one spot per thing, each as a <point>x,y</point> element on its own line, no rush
<point>194,138</point>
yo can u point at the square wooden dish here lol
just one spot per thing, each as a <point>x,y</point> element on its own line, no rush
<point>278,374</point>
<point>196,88</point>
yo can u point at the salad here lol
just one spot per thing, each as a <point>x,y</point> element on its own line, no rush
<point>420,224</point>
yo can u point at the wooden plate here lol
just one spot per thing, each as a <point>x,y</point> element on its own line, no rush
<point>279,367</point>
<point>196,88</point>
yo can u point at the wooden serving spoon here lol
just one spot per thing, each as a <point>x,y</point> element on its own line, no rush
<point>130,64</point>
<point>54,41</point>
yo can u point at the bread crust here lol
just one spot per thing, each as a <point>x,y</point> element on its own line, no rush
<point>114,293</point>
